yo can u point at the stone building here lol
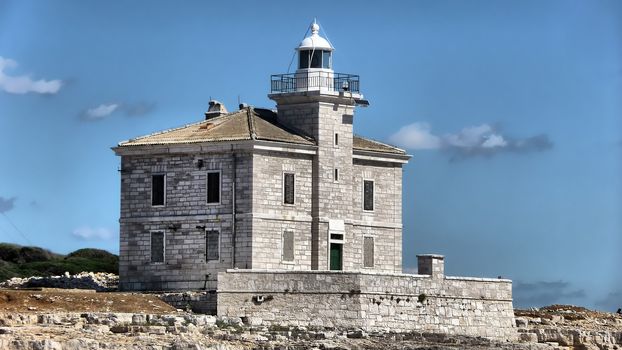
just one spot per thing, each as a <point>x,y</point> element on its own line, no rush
<point>291,188</point>
<point>285,216</point>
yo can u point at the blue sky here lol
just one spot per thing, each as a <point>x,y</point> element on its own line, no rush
<point>511,109</point>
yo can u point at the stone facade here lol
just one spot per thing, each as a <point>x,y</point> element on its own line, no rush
<point>181,219</point>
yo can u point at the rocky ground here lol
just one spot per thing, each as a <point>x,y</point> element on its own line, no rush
<point>570,326</point>
<point>49,318</point>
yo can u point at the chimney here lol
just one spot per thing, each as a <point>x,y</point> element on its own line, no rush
<point>431,264</point>
<point>216,109</point>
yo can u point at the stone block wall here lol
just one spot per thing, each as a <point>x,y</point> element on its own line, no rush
<point>387,179</point>
<point>272,217</point>
<point>183,219</point>
<point>201,302</point>
<point>371,301</point>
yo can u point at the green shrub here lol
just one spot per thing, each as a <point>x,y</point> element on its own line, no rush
<point>18,261</point>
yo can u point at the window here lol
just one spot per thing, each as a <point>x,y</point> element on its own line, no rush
<point>212,245</point>
<point>157,247</point>
<point>288,188</point>
<point>288,246</point>
<point>336,175</point>
<point>326,59</point>
<point>368,251</point>
<point>368,195</point>
<point>158,190</point>
<point>304,59</point>
<point>336,139</point>
<point>314,59</point>
<point>213,187</point>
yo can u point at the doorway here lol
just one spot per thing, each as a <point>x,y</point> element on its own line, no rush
<point>336,256</point>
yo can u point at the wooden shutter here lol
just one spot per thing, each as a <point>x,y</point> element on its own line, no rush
<point>288,188</point>
<point>212,244</point>
<point>368,195</point>
<point>288,246</point>
<point>157,247</point>
<point>368,252</point>
<point>157,189</point>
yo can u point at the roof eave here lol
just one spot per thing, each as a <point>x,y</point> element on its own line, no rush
<point>378,156</point>
<point>214,146</point>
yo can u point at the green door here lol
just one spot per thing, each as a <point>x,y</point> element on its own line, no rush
<point>336,253</point>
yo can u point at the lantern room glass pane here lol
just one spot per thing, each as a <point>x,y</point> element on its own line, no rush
<point>303,59</point>
<point>316,59</point>
<point>326,62</point>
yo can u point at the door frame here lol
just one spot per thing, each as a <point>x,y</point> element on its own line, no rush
<point>335,237</point>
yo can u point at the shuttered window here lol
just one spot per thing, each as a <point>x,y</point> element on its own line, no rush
<point>368,252</point>
<point>157,247</point>
<point>213,187</point>
<point>368,195</point>
<point>288,245</point>
<point>212,245</point>
<point>288,188</point>
<point>158,189</point>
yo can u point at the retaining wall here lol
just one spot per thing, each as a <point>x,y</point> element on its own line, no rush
<point>369,300</point>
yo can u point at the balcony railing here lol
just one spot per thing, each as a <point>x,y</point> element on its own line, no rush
<point>314,81</point>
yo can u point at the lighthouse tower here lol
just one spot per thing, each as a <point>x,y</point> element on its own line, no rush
<point>317,102</point>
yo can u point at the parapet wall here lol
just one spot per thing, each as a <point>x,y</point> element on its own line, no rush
<point>370,301</point>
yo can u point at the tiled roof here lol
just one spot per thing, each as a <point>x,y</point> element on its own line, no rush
<point>246,124</point>
<point>364,144</point>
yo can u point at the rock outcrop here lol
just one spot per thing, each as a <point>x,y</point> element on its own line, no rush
<point>570,327</point>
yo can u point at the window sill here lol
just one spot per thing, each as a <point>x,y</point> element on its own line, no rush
<point>288,262</point>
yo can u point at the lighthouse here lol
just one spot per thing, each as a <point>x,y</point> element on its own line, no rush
<point>317,102</point>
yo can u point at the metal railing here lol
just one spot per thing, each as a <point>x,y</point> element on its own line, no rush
<point>312,81</point>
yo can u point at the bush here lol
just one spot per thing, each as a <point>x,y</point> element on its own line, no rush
<point>18,261</point>
<point>18,254</point>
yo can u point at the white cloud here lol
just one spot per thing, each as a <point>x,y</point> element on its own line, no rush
<point>86,233</point>
<point>24,84</point>
<point>100,112</point>
<point>472,140</point>
<point>493,141</point>
<point>128,109</point>
<point>469,137</point>
<point>416,136</point>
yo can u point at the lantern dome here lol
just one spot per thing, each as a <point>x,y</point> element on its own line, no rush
<point>315,41</point>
